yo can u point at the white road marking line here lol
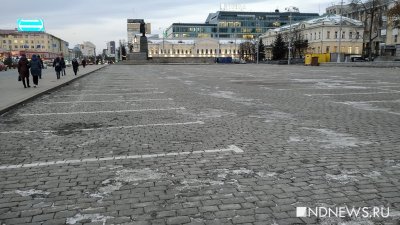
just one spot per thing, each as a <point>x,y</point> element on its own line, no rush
<point>133,93</point>
<point>122,89</point>
<point>231,148</point>
<point>134,100</point>
<point>95,112</point>
<point>102,128</point>
<point>373,101</point>
<point>368,93</point>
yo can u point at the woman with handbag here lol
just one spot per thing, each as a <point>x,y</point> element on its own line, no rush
<point>23,70</point>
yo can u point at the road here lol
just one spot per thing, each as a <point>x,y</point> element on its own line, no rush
<point>204,144</point>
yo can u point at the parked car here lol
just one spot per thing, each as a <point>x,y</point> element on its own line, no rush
<point>3,67</point>
<point>357,59</point>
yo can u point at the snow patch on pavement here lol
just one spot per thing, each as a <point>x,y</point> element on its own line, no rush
<point>332,139</point>
<point>223,173</point>
<point>92,217</point>
<point>272,116</point>
<point>32,192</point>
<point>266,174</point>
<point>134,175</point>
<point>344,177</point>
<point>365,106</point>
<point>233,97</point>
<point>195,184</point>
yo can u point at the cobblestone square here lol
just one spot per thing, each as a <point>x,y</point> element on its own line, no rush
<point>204,144</point>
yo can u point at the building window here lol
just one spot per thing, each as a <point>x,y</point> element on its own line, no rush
<point>343,35</point>
<point>335,48</point>
<point>211,51</point>
<point>319,35</point>
<point>328,34</point>
<point>350,35</point>
<point>198,51</point>
<point>336,35</point>
<point>357,50</point>
<point>206,51</point>
<point>327,49</point>
<point>311,36</point>
<point>349,50</point>
<point>395,38</point>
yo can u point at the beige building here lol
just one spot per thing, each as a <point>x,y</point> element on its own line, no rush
<point>88,49</point>
<point>322,35</point>
<point>199,47</point>
<point>44,44</point>
<point>133,29</point>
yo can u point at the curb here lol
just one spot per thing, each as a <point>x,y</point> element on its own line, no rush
<point>16,105</point>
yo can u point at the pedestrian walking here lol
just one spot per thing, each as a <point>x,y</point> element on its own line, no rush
<point>36,67</point>
<point>57,66</point>
<point>84,63</point>
<point>41,66</point>
<point>75,65</point>
<point>63,66</point>
<point>23,70</point>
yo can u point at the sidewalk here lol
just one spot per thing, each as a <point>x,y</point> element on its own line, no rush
<point>12,92</point>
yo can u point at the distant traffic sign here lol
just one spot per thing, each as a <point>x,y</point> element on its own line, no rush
<point>36,25</point>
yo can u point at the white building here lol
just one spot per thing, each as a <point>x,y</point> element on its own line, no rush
<point>198,47</point>
<point>322,35</point>
<point>88,49</point>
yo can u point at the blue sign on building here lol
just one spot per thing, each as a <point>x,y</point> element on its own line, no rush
<point>36,25</point>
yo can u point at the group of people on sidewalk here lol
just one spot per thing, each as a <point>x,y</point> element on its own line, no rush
<point>35,66</point>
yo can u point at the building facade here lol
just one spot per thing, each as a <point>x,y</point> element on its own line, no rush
<point>133,29</point>
<point>235,24</point>
<point>110,49</point>
<point>15,43</point>
<point>88,49</point>
<point>198,47</point>
<point>322,35</point>
<point>384,36</point>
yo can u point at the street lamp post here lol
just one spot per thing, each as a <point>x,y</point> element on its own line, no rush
<point>290,9</point>
<point>340,31</point>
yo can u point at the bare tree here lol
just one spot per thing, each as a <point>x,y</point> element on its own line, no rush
<point>247,51</point>
<point>394,15</point>
<point>372,11</point>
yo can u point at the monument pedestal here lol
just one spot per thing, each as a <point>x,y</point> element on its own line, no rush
<point>136,56</point>
<point>144,45</point>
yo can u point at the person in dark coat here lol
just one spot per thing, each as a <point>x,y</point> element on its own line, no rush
<point>36,67</point>
<point>83,63</point>
<point>57,66</point>
<point>23,70</point>
<point>63,66</point>
<point>75,65</point>
<point>41,66</point>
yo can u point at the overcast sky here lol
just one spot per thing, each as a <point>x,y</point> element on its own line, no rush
<point>100,21</point>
